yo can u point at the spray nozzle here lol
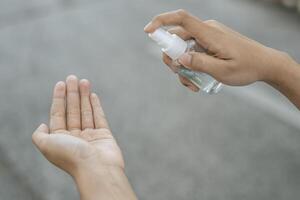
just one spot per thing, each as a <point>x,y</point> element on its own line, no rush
<point>171,44</point>
<point>162,37</point>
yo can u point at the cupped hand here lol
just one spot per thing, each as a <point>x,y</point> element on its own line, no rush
<point>230,57</point>
<point>78,136</point>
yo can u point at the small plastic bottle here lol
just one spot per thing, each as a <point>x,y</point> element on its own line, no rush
<point>174,47</point>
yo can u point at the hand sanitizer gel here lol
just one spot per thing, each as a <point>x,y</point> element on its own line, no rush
<point>174,47</point>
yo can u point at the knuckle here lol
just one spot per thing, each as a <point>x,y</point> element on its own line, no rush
<point>217,26</point>
<point>182,13</point>
<point>183,16</point>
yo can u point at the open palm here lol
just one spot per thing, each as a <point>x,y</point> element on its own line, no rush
<point>78,135</point>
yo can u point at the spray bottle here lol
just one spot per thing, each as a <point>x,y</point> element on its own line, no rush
<point>174,47</point>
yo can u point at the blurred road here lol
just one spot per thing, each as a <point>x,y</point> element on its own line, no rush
<point>240,144</point>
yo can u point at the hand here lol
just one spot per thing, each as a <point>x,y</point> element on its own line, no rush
<point>80,142</point>
<point>230,57</point>
<point>78,137</point>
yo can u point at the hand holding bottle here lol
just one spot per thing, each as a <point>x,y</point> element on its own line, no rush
<point>174,46</point>
<point>230,57</point>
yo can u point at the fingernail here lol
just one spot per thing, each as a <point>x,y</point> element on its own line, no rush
<point>147,26</point>
<point>185,59</point>
<point>94,95</point>
<point>71,77</point>
<point>60,84</point>
<point>194,88</point>
<point>85,81</point>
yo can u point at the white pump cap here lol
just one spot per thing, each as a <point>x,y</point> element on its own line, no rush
<point>171,44</point>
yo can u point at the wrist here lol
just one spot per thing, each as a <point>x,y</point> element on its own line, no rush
<point>96,171</point>
<point>109,182</point>
<point>96,174</point>
<point>281,66</point>
<point>94,168</point>
<point>286,78</point>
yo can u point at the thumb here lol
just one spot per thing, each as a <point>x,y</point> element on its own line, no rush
<point>39,135</point>
<point>202,62</point>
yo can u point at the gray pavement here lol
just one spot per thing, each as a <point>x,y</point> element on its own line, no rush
<point>240,144</point>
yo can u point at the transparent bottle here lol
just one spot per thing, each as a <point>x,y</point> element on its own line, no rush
<point>174,47</point>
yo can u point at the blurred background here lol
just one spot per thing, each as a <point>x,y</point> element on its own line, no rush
<point>243,143</point>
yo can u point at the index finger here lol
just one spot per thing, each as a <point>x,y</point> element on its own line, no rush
<point>58,109</point>
<point>190,23</point>
<point>99,117</point>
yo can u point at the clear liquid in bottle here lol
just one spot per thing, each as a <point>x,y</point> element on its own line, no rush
<point>203,81</point>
